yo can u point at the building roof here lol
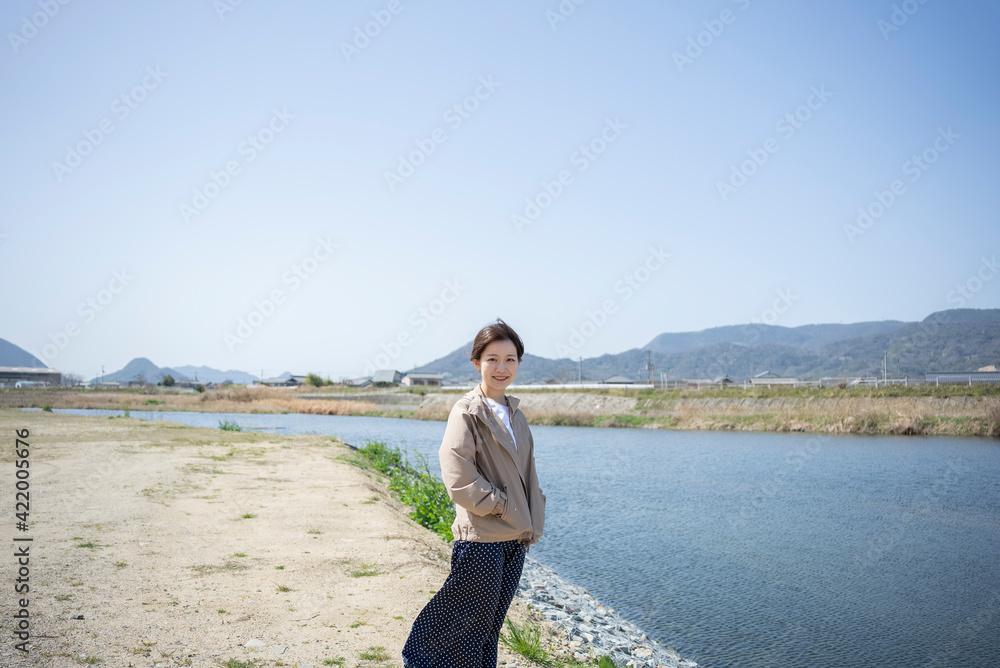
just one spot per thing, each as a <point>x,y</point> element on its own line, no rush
<point>425,376</point>
<point>618,379</point>
<point>386,376</point>
<point>27,369</point>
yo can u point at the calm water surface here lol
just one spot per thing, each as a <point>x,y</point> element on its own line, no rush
<point>758,550</point>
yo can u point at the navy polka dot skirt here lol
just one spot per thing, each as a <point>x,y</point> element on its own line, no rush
<point>460,626</point>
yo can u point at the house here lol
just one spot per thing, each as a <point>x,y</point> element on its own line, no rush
<point>364,381</point>
<point>387,376</point>
<point>431,379</point>
<point>39,377</point>
<point>284,381</point>
<point>769,378</point>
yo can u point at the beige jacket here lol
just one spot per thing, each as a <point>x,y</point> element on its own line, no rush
<point>494,487</point>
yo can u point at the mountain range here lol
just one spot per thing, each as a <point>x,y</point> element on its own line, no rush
<point>953,340</point>
<point>144,368</point>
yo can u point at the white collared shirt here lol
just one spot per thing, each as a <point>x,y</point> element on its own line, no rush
<point>503,414</point>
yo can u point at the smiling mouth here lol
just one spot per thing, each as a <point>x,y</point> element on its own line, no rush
<point>500,377</point>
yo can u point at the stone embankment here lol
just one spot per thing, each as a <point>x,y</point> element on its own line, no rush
<point>592,629</point>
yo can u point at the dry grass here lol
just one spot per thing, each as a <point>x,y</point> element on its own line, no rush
<point>993,420</point>
<point>911,415</point>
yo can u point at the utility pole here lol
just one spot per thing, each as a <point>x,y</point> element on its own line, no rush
<point>580,379</point>
<point>649,367</point>
<point>885,367</point>
<point>102,374</point>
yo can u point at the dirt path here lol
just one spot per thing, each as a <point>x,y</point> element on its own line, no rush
<point>144,529</point>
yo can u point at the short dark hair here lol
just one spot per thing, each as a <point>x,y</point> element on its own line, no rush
<point>495,331</point>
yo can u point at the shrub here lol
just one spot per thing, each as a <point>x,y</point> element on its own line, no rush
<point>526,641</point>
<point>316,380</point>
<point>416,487</point>
<point>229,425</point>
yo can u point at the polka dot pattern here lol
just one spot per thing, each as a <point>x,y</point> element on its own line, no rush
<point>460,626</point>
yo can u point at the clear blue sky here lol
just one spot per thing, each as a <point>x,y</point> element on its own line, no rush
<point>829,102</point>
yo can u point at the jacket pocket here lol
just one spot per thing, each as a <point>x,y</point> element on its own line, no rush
<point>506,505</point>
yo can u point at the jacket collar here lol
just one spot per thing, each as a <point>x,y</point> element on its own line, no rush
<point>479,408</point>
<point>479,401</point>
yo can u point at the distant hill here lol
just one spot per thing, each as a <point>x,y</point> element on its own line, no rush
<point>959,339</point>
<point>141,368</point>
<point>13,355</point>
<point>207,374</point>
<point>806,336</point>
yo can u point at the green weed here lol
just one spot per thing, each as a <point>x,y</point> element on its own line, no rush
<point>525,639</point>
<point>229,425</point>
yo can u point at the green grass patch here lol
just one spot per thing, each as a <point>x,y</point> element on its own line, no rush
<point>414,485</point>
<point>365,570</point>
<point>526,640</point>
<point>374,653</point>
<point>236,663</point>
<point>229,425</point>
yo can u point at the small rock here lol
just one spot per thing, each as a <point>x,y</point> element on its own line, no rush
<point>642,652</point>
<point>254,644</point>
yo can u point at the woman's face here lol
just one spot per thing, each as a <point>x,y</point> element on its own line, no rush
<point>498,366</point>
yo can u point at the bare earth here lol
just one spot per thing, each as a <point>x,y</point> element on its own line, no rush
<point>143,529</point>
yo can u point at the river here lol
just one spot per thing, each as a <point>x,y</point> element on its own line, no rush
<point>753,550</point>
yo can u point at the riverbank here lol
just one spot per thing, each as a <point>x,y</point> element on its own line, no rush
<point>160,544</point>
<point>954,410</point>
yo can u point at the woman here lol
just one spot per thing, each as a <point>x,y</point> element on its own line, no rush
<point>488,465</point>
